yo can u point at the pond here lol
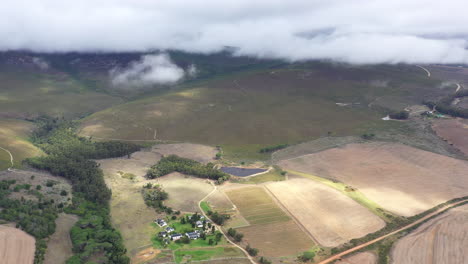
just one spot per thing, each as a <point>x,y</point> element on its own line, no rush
<point>241,172</point>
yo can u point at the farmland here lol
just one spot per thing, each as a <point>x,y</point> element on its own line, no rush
<point>331,217</point>
<point>17,247</point>
<point>360,258</point>
<point>14,137</point>
<point>441,240</point>
<point>395,176</point>
<point>455,131</point>
<point>269,225</point>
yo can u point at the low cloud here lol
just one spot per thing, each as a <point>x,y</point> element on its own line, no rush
<point>149,70</point>
<point>41,63</point>
<point>358,31</point>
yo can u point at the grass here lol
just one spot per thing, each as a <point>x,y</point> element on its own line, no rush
<point>256,206</point>
<point>350,192</point>
<point>28,94</point>
<point>14,136</point>
<point>272,175</point>
<point>245,112</point>
<point>205,254</point>
<point>205,206</point>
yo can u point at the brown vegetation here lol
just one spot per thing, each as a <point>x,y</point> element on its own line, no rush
<point>397,177</point>
<point>441,240</point>
<point>329,216</point>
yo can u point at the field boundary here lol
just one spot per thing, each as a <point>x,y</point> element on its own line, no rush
<point>277,201</point>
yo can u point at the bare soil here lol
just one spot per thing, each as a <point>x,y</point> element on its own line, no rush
<point>16,247</point>
<point>454,131</point>
<point>360,258</point>
<point>329,216</point>
<point>59,245</point>
<point>441,240</point>
<point>397,177</point>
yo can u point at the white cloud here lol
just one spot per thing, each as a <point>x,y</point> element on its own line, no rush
<point>150,70</point>
<point>41,63</point>
<point>358,31</point>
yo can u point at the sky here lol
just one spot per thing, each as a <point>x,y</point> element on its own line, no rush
<point>354,31</point>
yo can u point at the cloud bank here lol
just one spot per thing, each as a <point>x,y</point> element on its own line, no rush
<point>357,31</point>
<point>149,70</point>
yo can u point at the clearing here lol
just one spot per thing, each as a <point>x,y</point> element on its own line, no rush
<point>441,240</point>
<point>126,177</point>
<point>269,226</point>
<point>59,245</point>
<point>14,137</point>
<point>329,216</point>
<point>394,176</point>
<point>17,247</point>
<point>359,258</point>
<point>454,131</point>
<point>51,186</point>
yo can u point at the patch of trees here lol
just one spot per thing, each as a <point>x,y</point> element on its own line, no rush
<point>173,163</point>
<point>445,105</point>
<point>273,148</point>
<point>400,115</point>
<point>70,156</point>
<point>307,256</point>
<point>35,218</point>
<point>218,218</point>
<point>368,136</point>
<point>252,251</point>
<point>154,196</point>
<point>237,236</point>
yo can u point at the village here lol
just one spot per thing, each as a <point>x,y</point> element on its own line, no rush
<point>186,229</point>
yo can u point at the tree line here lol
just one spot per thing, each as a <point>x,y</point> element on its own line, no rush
<point>445,106</point>
<point>70,156</point>
<point>173,163</point>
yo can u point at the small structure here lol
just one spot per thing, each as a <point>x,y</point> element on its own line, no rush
<point>170,229</point>
<point>175,237</point>
<point>160,222</point>
<point>199,224</point>
<point>193,235</point>
<point>162,234</point>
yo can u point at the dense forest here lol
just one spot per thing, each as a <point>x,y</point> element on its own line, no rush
<point>173,163</point>
<point>70,156</point>
<point>36,218</point>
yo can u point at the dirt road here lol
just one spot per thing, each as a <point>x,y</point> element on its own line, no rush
<point>220,229</point>
<point>11,158</point>
<point>426,70</point>
<point>458,87</point>
<point>349,251</point>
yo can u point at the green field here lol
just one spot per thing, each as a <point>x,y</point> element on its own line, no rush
<point>256,206</point>
<point>206,254</point>
<point>26,94</point>
<point>14,137</point>
<point>244,112</point>
<point>272,175</point>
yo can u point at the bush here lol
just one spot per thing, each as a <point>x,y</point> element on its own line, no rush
<point>307,256</point>
<point>252,251</point>
<point>174,163</point>
<point>273,148</point>
<point>401,115</point>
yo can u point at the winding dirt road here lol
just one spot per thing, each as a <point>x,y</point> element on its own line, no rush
<point>426,70</point>
<point>11,159</point>
<point>354,249</point>
<point>220,229</point>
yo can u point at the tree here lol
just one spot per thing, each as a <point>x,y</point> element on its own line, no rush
<point>252,251</point>
<point>231,232</point>
<point>238,237</point>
